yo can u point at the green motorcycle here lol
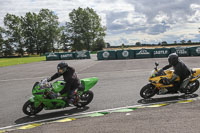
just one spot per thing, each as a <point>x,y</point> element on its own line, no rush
<point>43,91</point>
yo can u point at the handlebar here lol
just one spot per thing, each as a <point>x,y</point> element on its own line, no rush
<point>45,84</point>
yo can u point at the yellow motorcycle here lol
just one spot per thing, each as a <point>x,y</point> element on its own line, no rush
<point>158,83</point>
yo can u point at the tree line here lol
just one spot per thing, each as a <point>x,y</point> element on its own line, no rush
<point>38,33</point>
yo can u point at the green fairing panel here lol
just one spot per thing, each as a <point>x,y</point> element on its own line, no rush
<point>37,90</point>
<point>58,86</point>
<point>89,82</point>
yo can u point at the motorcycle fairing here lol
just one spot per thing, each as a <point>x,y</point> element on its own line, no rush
<point>88,83</point>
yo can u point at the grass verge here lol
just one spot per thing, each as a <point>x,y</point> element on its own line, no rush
<point>23,60</point>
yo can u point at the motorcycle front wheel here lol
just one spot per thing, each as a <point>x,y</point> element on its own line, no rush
<point>148,91</point>
<point>29,108</point>
<point>85,99</point>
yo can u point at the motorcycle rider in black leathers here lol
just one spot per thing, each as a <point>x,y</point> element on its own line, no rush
<point>72,81</point>
<point>180,69</point>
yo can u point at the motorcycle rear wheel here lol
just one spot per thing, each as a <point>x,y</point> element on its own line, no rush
<point>29,108</point>
<point>85,99</point>
<point>194,86</point>
<point>148,91</point>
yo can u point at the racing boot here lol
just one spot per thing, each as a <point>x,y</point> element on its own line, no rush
<point>163,91</point>
<point>73,98</point>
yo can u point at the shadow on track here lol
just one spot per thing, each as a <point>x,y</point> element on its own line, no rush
<point>50,115</point>
<point>167,99</point>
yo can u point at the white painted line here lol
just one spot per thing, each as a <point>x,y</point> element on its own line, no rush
<point>86,113</point>
<point>50,119</point>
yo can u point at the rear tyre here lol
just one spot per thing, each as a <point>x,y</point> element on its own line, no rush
<point>192,87</point>
<point>148,91</point>
<point>85,99</point>
<point>29,108</point>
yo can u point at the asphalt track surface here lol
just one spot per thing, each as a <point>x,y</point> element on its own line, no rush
<point>119,85</point>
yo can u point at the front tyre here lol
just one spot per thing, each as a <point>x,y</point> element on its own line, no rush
<point>29,108</point>
<point>85,99</point>
<point>148,91</point>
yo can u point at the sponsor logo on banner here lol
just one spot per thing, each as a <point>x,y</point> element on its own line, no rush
<point>106,54</point>
<point>198,50</point>
<point>66,55</point>
<point>52,55</point>
<point>81,54</point>
<point>181,51</point>
<point>125,53</point>
<point>143,52</point>
<point>160,52</point>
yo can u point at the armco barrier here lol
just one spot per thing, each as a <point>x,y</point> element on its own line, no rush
<point>125,54</point>
<point>195,51</point>
<point>82,55</point>
<point>161,52</point>
<point>143,53</point>
<point>67,56</point>
<point>181,51</point>
<point>106,55</point>
<point>52,56</point>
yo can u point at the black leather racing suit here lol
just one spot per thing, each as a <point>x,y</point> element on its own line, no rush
<point>71,79</point>
<point>182,71</point>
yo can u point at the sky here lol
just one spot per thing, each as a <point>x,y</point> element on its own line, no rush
<point>127,21</point>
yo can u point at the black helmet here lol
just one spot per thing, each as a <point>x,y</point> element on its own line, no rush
<point>62,67</point>
<point>173,59</point>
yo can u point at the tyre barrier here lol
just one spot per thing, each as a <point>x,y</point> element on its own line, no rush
<point>147,53</point>
<point>52,56</point>
<point>181,51</point>
<point>143,53</point>
<point>195,51</point>
<point>125,54</point>
<point>161,52</point>
<point>106,55</point>
<point>82,55</point>
<point>68,55</point>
